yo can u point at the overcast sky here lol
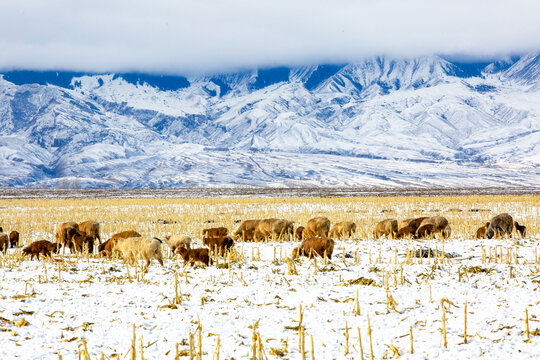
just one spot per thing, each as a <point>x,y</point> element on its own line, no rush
<point>178,36</point>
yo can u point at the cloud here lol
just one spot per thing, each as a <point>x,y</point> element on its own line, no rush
<point>181,36</point>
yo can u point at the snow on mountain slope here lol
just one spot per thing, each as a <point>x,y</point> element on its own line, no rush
<point>380,122</point>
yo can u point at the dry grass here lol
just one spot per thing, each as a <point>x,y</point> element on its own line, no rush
<point>38,219</point>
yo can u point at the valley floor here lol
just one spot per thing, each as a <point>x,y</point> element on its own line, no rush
<point>48,308</point>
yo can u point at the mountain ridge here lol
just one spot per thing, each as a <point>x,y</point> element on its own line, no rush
<point>329,121</point>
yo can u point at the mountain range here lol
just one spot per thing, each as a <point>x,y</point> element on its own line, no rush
<point>381,122</point>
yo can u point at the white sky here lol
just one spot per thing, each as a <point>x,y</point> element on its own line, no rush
<point>179,36</point>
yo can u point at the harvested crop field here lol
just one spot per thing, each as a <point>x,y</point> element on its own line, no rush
<point>460,297</point>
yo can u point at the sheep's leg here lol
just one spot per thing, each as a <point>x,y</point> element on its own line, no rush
<point>160,261</point>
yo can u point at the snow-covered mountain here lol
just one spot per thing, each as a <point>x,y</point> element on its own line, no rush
<point>380,122</point>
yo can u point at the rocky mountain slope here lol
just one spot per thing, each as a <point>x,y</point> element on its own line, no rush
<point>380,122</point>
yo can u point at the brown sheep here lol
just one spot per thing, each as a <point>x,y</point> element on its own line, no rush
<point>387,227</point>
<point>406,231</point>
<point>145,248</point>
<point>314,246</point>
<point>413,223</point>
<point>299,233</point>
<point>221,244</point>
<point>318,226</point>
<point>125,234</point>
<point>481,232</point>
<point>4,241</point>
<point>439,224</point>
<point>246,230</point>
<point>43,247</point>
<point>91,228</point>
<point>343,229</point>
<point>499,225</point>
<point>61,235</point>
<point>108,247</point>
<point>521,229</point>
<point>79,241</point>
<point>14,239</point>
<point>425,231</point>
<point>278,229</point>
<point>192,256</point>
<point>215,232</point>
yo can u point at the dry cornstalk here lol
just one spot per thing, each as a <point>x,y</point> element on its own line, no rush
<point>300,318</point>
<point>370,339</point>
<point>445,342</point>
<point>216,352</point>
<point>312,348</point>
<point>411,338</point>
<point>302,343</point>
<point>527,323</point>
<point>465,323</point>
<point>191,347</point>
<point>346,338</point>
<point>259,347</point>
<point>199,341</point>
<point>254,342</point>
<point>177,297</point>
<point>357,305</point>
<point>360,344</point>
<point>134,345</point>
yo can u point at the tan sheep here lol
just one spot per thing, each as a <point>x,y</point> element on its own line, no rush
<point>342,229</point>
<point>439,224</point>
<point>61,235</point>
<point>318,226</point>
<point>245,230</point>
<point>90,228</point>
<point>177,241</point>
<point>387,227</point>
<point>500,225</point>
<point>107,248</point>
<point>145,248</point>
<point>276,229</point>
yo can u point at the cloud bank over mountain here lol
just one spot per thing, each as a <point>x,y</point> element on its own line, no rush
<point>180,37</point>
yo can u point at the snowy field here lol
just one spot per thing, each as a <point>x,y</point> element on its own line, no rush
<point>54,308</point>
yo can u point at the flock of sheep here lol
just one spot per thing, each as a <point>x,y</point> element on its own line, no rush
<point>316,237</point>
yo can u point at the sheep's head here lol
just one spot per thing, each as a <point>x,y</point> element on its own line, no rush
<point>490,233</point>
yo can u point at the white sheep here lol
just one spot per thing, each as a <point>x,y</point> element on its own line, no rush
<point>177,241</point>
<point>145,248</point>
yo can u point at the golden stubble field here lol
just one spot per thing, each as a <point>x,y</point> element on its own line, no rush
<point>374,299</point>
<point>36,219</point>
